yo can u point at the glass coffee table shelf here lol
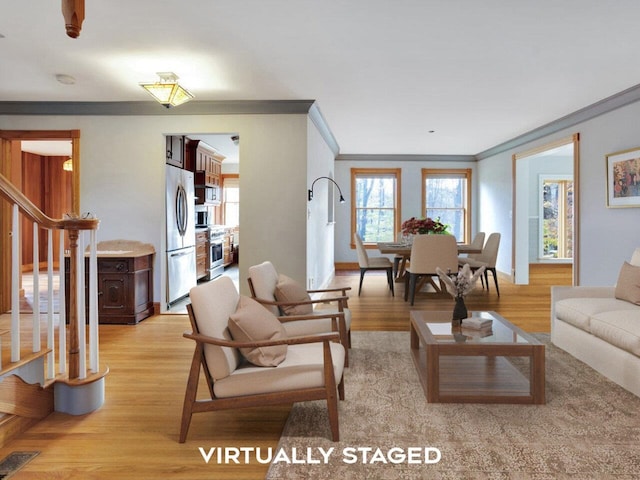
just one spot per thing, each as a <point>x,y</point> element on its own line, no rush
<point>455,364</point>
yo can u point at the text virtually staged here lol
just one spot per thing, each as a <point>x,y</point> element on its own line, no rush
<point>319,455</point>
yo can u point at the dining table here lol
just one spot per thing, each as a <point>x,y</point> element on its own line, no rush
<point>403,251</point>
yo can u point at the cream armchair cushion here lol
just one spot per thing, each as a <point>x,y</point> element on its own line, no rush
<point>302,368</point>
<point>217,305</point>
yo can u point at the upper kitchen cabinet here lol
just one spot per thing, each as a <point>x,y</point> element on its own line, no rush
<point>176,151</point>
<point>206,164</point>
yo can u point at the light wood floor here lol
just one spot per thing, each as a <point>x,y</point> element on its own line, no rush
<point>135,434</point>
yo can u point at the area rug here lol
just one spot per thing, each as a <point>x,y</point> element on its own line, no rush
<point>588,429</point>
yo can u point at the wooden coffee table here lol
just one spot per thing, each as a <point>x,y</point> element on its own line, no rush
<point>460,365</point>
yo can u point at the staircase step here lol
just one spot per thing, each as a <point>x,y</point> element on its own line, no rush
<point>23,399</point>
<point>8,366</point>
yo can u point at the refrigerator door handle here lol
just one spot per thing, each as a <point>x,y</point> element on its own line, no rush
<point>181,210</point>
<point>179,254</point>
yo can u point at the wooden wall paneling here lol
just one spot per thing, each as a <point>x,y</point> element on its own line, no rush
<point>57,186</point>
<point>32,178</point>
<point>10,167</point>
<point>49,187</point>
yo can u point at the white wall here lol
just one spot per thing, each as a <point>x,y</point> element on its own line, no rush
<point>320,231</point>
<point>411,200</point>
<point>122,180</point>
<point>607,236</point>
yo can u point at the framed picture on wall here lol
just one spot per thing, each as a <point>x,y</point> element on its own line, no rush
<point>623,178</point>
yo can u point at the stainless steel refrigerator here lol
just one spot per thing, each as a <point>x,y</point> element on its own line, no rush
<point>181,233</point>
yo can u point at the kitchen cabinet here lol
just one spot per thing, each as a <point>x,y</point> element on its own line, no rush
<point>206,164</point>
<point>175,151</point>
<point>202,261</point>
<point>228,253</point>
<point>125,285</point>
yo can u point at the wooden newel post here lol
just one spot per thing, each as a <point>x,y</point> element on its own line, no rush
<point>73,13</point>
<point>73,346</point>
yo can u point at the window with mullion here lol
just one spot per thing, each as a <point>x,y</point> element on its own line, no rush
<point>375,204</point>
<point>446,195</point>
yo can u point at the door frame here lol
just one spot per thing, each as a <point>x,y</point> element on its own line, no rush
<point>575,140</point>
<point>10,163</point>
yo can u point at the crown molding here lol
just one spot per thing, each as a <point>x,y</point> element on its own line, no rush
<point>618,100</point>
<point>404,158</point>
<point>217,107</point>
<point>323,127</point>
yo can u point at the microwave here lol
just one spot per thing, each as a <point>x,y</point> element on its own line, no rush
<point>206,195</point>
<point>203,217</point>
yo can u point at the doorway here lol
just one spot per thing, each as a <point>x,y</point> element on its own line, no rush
<point>546,205</point>
<point>220,211</point>
<point>43,144</point>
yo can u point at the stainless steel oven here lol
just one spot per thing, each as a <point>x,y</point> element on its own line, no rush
<point>215,253</point>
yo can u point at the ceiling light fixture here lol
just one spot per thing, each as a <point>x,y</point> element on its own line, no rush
<point>167,90</point>
<point>310,192</point>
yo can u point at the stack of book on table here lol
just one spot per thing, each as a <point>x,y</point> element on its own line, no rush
<point>477,327</point>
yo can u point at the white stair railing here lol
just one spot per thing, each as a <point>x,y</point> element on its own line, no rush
<point>70,360</point>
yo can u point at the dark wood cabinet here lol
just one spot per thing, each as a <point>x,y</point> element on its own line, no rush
<point>125,288</point>
<point>206,164</point>
<point>175,151</point>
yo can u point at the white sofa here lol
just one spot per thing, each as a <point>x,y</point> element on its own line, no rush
<point>599,329</point>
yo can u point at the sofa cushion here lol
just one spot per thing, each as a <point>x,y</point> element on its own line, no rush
<point>620,328</point>
<point>578,311</point>
<point>252,322</point>
<point>628,285</point>
<point>288,290</point>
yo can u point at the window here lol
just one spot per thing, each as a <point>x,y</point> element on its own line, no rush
<point>446,195</point>
<point>556,218</point>
<point>231,200</point>
<point>375,204</point>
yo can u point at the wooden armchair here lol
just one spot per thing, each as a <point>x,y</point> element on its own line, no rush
<point>309,367</point>
<point>283,297</point>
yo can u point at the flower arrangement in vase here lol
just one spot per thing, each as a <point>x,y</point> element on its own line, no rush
<point>421,226</point>
<point>459,286</point>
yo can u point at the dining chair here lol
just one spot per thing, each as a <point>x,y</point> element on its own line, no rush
<point>477,243</point>
<point>283,297</point>
<point>487,259</point>
<point>398,259</point>
<point>367,263</point>
<point>248,360</point>
<point>427,253</point>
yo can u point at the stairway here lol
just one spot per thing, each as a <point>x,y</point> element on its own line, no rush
<point>22,404</point>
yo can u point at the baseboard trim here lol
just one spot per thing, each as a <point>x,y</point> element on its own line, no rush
<point>13,425</point>
<point>347,266</point>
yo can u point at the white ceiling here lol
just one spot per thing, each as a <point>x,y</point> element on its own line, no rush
<point>385,73</point>
<point>47,147</point>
